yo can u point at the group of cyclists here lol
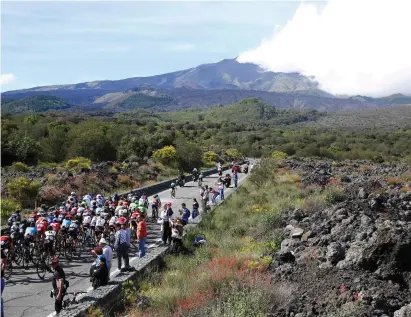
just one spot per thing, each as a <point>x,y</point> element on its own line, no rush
<point>50,233</point>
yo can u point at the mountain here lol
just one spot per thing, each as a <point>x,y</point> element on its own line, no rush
<point>221,83</point>
<point>226,74</point>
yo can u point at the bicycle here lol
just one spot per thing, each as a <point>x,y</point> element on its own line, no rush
<point>43,264</point>
<point>173,192</point>
<point>154,212</point>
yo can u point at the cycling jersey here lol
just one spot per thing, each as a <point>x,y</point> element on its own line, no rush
<point>30,232</point>
<point>66,223</point>
<point>86,220</point>
<point>100,222</point>
<point>40,220</point>
<point>41,227</point>
<point>113,221</point>
<point>56,226</point>
<point>93,221</point>
<point>50,235</point>
<point>73,226</point>
<point>141,201</point>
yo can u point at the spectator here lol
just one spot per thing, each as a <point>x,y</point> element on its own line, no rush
<point>141,236</point>
<point>100,274</point>
<point>165,216</point>
<point>107,252</point>
<point>185,214</point>
<point>121,246</point>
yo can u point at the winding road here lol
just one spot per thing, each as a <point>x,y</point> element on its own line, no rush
<point>26,295</point>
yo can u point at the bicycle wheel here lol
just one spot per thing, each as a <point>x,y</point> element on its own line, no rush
<point>77,248</point>
<point>9,269</point>
<point>26,258</point>
<point>41,267</point>
<point>68,248</point>
<point>18,254</point>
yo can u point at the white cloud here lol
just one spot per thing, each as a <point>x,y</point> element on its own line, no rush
<point>350,46</point>
<point>6,79</point>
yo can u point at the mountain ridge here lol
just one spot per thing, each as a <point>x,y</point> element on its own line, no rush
<point>224,82</point>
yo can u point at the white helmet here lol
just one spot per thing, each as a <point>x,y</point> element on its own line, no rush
<point>72,193</point>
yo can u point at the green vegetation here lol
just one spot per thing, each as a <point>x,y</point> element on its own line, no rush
<point>141,101</point>
<point>78,163</point>
<point>7,207</point>
<point>250,127</point>
<point>37,103</point>
<point>23,191</point>
<point>230,276</point>
<point>19,167</point>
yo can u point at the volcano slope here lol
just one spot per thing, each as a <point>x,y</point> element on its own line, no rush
<point>353,257</point>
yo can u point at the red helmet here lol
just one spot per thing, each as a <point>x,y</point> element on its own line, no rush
<point>121,221</point>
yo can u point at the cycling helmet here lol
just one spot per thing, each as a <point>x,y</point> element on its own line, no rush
<point>121,221</point>
<point>54,261</point>
<point>55,220</point>
<point>68,217</point>
<point>72,193</point>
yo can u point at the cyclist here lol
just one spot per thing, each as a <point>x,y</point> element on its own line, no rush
<point>73,230</point>
<point>49,240</point>
<point>14,217</point>
<point>154,206</point>
<point>41,228</point>
<point>55,225</point>
<point>30,232</point>
<point>59,284</point>
<point>173,189</point>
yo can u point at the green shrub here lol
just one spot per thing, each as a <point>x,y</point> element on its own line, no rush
<point>78,163</point>
<point>278,155</point>
<point>23,191</point>
<point>7,207</point>
<point>334,195</point>
<point>19,167</point>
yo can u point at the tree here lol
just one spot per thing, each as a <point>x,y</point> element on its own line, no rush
<point>167,155</point>
<point>233,154</point>
<point>189,154</point>
<point>210,157</point>
<point>132,145</point>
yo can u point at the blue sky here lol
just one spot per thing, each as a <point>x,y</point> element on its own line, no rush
<point>62,42</point>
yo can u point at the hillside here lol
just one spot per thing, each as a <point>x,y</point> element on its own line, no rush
<point>243,112</point>
<point>38,103</point>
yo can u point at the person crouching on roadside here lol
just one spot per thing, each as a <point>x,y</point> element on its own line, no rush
<point>107,252</point>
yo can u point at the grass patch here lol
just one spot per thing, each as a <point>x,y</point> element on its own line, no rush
<point>230,276</point>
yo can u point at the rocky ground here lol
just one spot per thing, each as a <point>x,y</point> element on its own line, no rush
<point>354,257</point>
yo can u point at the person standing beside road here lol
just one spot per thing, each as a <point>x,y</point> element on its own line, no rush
<point>221,189</point>
<point>141,236</point>
<point>185,214</point>
<point>235,178</point>
<point>59,284</point>
<point>196,206</point>
<point>165,216</point>
<point>120,245</point>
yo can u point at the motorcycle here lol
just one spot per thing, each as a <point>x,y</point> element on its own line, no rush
<point>181,182</point>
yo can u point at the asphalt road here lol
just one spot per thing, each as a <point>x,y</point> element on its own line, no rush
<point>26,295</point>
